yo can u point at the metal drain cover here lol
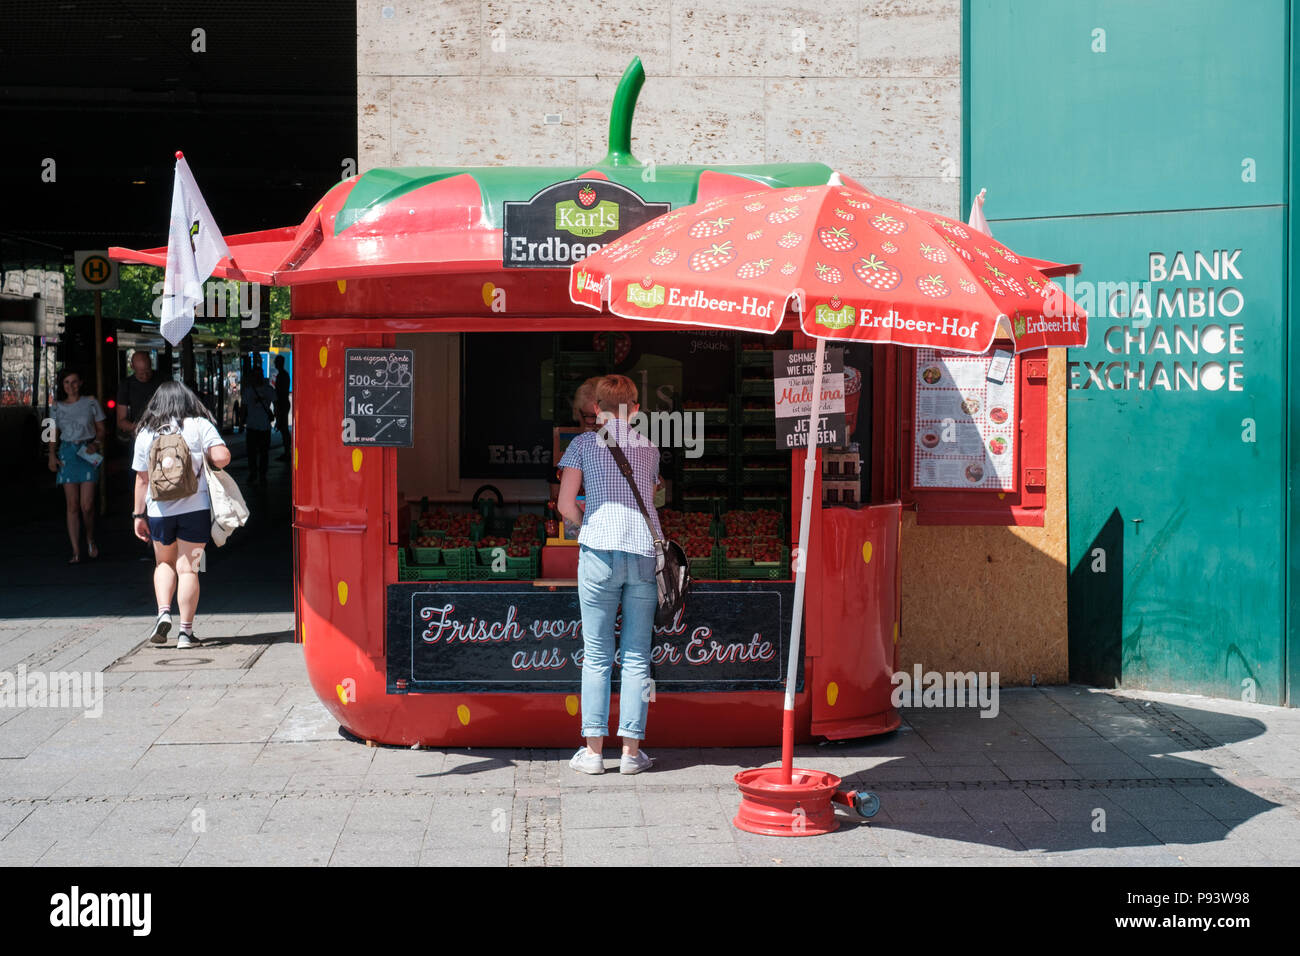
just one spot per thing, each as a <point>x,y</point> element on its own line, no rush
<point>236,654</point>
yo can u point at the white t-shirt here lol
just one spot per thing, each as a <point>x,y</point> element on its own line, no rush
<point>76,422</point>
<point>200,434</point>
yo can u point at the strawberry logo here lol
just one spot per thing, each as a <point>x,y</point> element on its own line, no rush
<point>949,226</point>
<point>647,283</point>
<point>1033,283</point>
<point>1007,254</point>
<point>712,257</point>
<point>846,216</point>
<point>836,239</point>
<point>709,228</point>
<point>933,286</point>
<point>1015,287</point>
<point>755,207</point>
<point>997,289</point>
<point>829,274</point>
<point>888,247</point>
<point>779,216</point>
<point>970,288</point>
<point>789,240</point>
<point>796,197</point>
<point>663,256</point>
<point>755,235</point>
<point>933,253</point>
<point>855,203</point>
<point>753,269</point>
<point>835,302</point>
<point>587,196</point>
<point>888,224</point>
<point>952,244</point>
<point>877,273</point>
<point>788,269</point>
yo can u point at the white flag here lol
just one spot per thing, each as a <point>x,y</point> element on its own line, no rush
<point>977,220</point>
<point>194,247</point>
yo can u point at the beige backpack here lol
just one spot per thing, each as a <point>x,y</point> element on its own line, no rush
<point>171,469</point>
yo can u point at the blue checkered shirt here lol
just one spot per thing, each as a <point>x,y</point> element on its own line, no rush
<point>612,521</point>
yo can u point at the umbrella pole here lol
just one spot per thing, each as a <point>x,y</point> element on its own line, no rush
<point>800,572</point>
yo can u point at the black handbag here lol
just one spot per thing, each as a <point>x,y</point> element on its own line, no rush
<point>672,570</point>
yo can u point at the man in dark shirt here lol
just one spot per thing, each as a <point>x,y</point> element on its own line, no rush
<point>134,393</point>
<point>282,403</point>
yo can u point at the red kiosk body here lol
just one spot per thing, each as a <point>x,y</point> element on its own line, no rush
<point>347,526</point>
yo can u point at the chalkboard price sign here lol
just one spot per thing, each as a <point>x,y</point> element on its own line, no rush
<point>377,397</point>
<point>513,637</point>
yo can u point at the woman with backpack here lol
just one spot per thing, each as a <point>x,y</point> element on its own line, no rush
<point>173,436</point>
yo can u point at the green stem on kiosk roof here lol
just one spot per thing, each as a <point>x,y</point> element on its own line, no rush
<point>620,116</point>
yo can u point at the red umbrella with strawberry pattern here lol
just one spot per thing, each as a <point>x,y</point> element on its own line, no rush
<point>856,267</point>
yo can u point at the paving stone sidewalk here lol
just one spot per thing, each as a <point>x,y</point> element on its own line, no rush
<point>244,766</point>
<point>233,765</point>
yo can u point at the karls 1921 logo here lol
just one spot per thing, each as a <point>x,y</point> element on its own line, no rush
<point>645,294</point>
<point>569,221</point>
<point>834,315</point>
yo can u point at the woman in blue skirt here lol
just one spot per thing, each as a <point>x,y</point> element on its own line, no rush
<point>74,455</point>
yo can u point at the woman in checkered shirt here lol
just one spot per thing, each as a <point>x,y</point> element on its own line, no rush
<point>616,566</point>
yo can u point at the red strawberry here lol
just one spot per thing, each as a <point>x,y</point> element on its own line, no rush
<point>788,269</point>
<point>711,257</point>
<point>1033,283</point>
<point>755,207</point>
<point>837,239</point>
<point>933,286</point>
<point>933,253</point>
<point>660,221</point>
<point>756,234</point>
<point>855,203</point>
<point>829,274</point>
<point>967,286</point>
<point>888,224</point>
<point>789,240</point>
<point>753,269</point>
<point>952,227</point>
<point>956,248</point>
<point>1007,254</point>
<point>647,282</point>
<point>846,216</point>
<point>981,252</point>
<point>997,289</point>
<point>888,247</point>
<point>587,196</point>
<point>708,228</point>
<point>778,216</point>
<point>1015,287</point>
<point>663,257</point>
<point>835,302</point>
<point>877,273</point>
<point>795,197</point>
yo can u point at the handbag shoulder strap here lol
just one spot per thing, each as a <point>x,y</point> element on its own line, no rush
<point>625,467</point>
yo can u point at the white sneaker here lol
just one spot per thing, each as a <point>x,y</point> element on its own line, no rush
<point>187,640</point>
<point>642,761</point>
<point>160,628</point>
<point>584,761</point>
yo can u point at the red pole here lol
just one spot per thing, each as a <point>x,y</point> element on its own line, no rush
<point>800,570</point>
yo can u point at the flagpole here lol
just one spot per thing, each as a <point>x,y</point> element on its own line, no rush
<point>800,572</point>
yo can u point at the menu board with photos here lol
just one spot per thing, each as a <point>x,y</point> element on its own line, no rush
<point>965,415</point>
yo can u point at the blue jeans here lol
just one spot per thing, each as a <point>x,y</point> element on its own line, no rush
<point>606,579</point>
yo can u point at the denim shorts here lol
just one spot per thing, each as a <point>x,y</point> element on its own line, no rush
<point>193,526</point>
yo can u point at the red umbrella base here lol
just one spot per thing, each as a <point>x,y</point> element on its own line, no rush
<point>799,808</point>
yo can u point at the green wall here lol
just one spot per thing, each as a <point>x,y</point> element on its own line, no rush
<point>1174,138</point>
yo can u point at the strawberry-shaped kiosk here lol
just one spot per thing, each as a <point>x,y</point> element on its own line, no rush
<point>434,611</point>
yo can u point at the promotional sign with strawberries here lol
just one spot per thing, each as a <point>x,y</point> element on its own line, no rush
<point>792,380</point>
<point>860,266</point>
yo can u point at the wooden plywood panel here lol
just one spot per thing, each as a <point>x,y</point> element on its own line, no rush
<point>993,598</point>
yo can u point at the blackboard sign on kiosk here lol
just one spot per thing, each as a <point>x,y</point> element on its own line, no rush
<point>377,397</point>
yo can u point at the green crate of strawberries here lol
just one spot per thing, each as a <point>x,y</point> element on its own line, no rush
<point>487,546</point>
